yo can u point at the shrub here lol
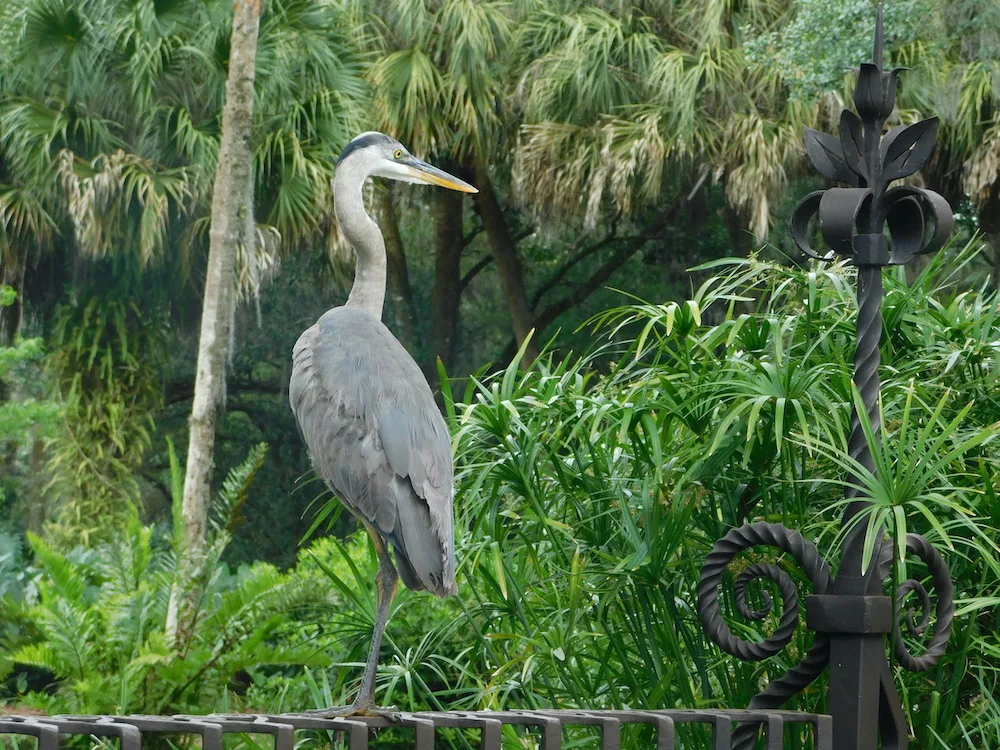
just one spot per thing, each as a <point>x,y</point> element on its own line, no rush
<point>590,490</point>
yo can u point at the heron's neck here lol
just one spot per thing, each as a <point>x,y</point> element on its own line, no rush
<point>363,233</point>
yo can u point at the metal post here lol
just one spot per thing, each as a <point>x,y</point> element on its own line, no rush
<point>850,614</point>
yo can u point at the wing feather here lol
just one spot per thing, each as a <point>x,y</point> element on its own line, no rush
<point>376,437</point>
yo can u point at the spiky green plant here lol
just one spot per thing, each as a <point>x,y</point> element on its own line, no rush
<point>96,622</point>
<point>588,495</point>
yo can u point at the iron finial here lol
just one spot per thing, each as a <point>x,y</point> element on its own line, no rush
<point>879,38</point>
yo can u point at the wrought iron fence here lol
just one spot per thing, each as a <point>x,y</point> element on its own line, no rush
<point>848,612</point>
<point>667,727</point>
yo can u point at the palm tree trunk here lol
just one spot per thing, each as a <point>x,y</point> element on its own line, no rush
<point>988,214</point>
<point>447,277</point>
<point>400,290</point>
<point>992,239</point>
<point>740,240</point>
<point>37,507</point>
<point>232,223</point>
<point>508,263</point>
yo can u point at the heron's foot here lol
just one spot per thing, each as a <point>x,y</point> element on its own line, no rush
<point>358,708</point>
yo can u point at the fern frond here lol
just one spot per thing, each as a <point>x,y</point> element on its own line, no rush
<point>126,561</point>
<point>64,575</point>
<point>38,655</point>
<point>233,493</point>
<point>74,633</point>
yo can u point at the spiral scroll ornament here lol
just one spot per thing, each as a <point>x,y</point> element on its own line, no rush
<point>724,552</point>
<point>944,612</point>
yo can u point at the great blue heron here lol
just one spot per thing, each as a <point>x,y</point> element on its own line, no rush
<point>366,412</point>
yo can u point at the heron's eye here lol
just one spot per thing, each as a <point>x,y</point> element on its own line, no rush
<point>397,154</point>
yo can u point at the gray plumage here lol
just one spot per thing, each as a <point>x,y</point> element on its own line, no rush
<point>364,408</point>
<point>378,440</point>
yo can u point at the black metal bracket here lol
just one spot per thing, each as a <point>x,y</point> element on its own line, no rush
<point>872,226</point>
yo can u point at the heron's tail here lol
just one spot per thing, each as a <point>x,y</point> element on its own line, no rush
<point>425,554</point>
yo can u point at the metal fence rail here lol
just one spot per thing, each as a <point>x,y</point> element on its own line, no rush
<point>359,732</point>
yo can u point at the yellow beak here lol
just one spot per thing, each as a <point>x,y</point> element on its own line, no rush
<point>421,171</point>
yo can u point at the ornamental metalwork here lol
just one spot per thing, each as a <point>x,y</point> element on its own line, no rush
<point>871,225</point>
<point>667,729</point>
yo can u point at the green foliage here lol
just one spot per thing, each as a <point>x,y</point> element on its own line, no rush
<point>440,72</point>
<point>99,618</point>
<point>17,582</point>
<point>235,488</point>
<point>588,499</point>
<point>428,650</point>
<point>107,355</point>
<point>106,101</point>
<point>176,492</point>
<point>824,40</point>
<point>589,490</point>
<point>109,129</point>
<point>94,622</point>
<point>17,363</point>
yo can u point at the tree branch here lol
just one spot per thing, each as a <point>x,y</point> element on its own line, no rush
<point>180,392</point>
<point>467,239</point>
<point>602,274</point>
<point>485,261</point>
<point>473,272</point>
<point>632,245</point>
<point>581,255</point>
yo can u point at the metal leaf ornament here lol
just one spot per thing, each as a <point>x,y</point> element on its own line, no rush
<point>826,154</point>
<point>875,93</point>
<point>905,150</point>
<point>852,142</point>
<point>852,220</point>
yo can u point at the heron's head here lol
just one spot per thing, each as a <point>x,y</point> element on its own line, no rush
<point>378,155</point>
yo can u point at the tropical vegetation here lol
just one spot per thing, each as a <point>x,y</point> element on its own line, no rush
<point>631,354</point>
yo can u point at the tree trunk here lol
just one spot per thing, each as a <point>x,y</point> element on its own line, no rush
<point>400,290</point>
<point>232,222</point>
<point>447,277</point>
<point>740,240</point>
<point>37,507</point>
<point>988,214</point>
<point>508,263</point>
<point>993,240</point>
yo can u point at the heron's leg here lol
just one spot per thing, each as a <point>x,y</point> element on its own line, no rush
<point>385,586</point>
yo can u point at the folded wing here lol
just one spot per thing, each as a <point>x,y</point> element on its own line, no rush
<point>375,435</point>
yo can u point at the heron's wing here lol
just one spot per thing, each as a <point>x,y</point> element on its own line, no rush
<point>376,436</point>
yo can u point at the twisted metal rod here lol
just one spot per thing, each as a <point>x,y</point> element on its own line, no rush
<point>779,691</point>
<point>852,222</point>
<point>867,359</point>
